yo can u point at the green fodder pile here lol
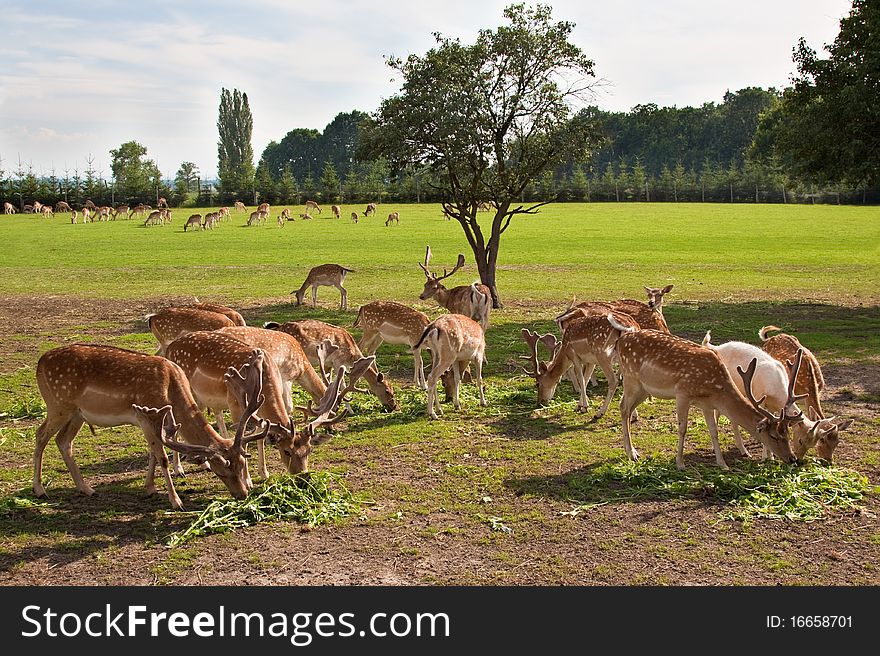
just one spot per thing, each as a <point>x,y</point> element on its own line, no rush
<point>316,499</point>
<point>752,490</point>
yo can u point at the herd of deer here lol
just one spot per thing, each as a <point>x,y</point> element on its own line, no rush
<point>209,359</point>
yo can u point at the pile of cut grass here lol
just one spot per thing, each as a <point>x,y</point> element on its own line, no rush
<point>316,499</point>
<point>753,490</point>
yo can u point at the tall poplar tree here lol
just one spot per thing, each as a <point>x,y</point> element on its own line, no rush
<point>235,152</point>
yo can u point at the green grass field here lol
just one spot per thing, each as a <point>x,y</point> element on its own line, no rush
<point>520,495</point>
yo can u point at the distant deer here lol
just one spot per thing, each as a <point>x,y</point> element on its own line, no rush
<point>285,215</point>
<point>162,203</point>
<point>354,217</point>
<point>73,216</point>
<point>371,209</point>
<point>62,206</point>
<point>194,220</point>
<point>472,301</point>
<point>257,218</point>
<point>328,275</point>
<point>394,217</point>
<point>336,210</point>
<point>8,208</point>
<point>240,207</point>
<point>312,205</point>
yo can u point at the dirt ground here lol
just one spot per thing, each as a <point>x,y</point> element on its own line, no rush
<point>628,543</point>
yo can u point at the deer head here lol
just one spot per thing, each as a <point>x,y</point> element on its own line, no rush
<point>433,283</point>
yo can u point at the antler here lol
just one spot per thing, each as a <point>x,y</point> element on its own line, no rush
<point>792,379</point>
<point>458,265</point>
<point>549,340</point>
<point>325,349</point>
<point>247,384</point>
<point>334,395</point>
<point>427,262</point>
<point>532,340</point>
<point>168,428</point>
<point>747,376</point>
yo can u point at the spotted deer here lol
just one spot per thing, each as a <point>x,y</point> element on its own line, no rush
<point>121,209</point>
<point>394,323</point>
<point>194,220</point>
<point>327,275</point>
<point>311,334</point>
<point>810,380</point>
<point>312,205</point>
<point>455,341</point>
<point>474,301</point>
<point>659,364</point>
<point>8,208</point>
<point>257,218</point>
<point>587,341</point>
<point>108,386</point>
<point>371,209</point>
<point>394,217</point>
<point>171,323</point>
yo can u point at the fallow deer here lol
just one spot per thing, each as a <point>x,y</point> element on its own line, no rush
<point>233,315</point>
<point>285,215</point>
<point>257,218</point>
<point>387,321</point>
<point>648,315</point>
<point>8,208</point>
<point>328,275</point>
<point>472,301</point>
<point>337,211</point>
<point>211,220</point>
<point>371,209</point>
<point>223,213</point>
<point>587,341</point>
<point>161,203</point>
<point>240,207</point>
<point>62,206</point>
<point>121,209</point>
<point>312,205</point>
<point>773,381</point>
<point>171,323</point>
<point>311,334</point>
<point>659,364</point>
<point>47,211</point>
<point>810,380</point>
<point>108,386</point>
<point>140,209</point>
<point>87,215</point>
<point>354,217</point>
<point>73,216</point>
<point>156,217</point>
<point>394,217</point>
<point>194,220</point>
<point>205,356</point>
<point>455,341</point>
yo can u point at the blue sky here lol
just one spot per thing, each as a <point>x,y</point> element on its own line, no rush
<point>78,79</point>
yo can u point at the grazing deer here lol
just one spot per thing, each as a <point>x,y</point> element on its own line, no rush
<point>472,301</point>
<point>194,220</point>
<point>659,364</point>
<point>155,218</point>
<point>285,215</point>
<point>104,213</point>
<point>256,218</point>
<point>240,207</point>
<point>108,386</point>
<point>774,381</point>
<point>166,215</point>
<point>37,207</point>
<point>8,208</point>
<point>62,206</point>
<point>354,217</point>
<point>47,211</point>
<point>73,216</point>
<point>121,209</point>
<point>211,220</point>
<point>587,341</point>
<point>648,315</point>
<point>233,315</point>
<point>327,275</point>
<point>139,209</point>
<point>223,213</point>
<point>312,205</point>
<point>371,209</point>
<point>263,207</point>
<point>306,216</point>
<point>311,334</point>
<point>205,356</point>
<point>162,203</point>
<point>172,323</point>
<point>455,341</point>
<point>394,217</point>
<point>337,211</point>
<point>810,380</point>
<point>394,323</point>
<point>87,215</point>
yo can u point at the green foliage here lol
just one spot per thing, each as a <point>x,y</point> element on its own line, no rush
<point>235,151</point>
<point>315,499</point>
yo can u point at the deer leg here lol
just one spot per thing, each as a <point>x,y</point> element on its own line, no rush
<point>611,377</point>
<point>682,405</point>
<point>314,296</point>
<point>590,375</point>
<point>343,305</point>
<point>709,414</point>
<point>456,384</point>
<point>478,365</point>
<point>45,432</point>
<point>64,440</point>
<point>737,436</point>
<point>158,455</point>
<point>433,402</point>
<point>632,397</point>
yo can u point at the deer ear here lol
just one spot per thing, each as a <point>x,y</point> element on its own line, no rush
<point>380,377</point>
<point>843,424</point>
<point>667,289</point>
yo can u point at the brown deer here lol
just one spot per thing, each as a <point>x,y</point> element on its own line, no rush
<point>121,209</point>
<point>62,206</point>
<point>240,207</point>
<point>171,323</point>
<point>205,356</point>
<point>647,315</point>
<point>73,216</point>
<point>371,209</point>
<point>285,215</point>
<point>327,275</point>
<point>162,202</point>
<point>354,217</point>
<point>211,220</point>
<point>659,364</point>
<point>474,301</point>
<point>257,218</point>
<point>810,381</point>
<point>587,341</point>
<point>455,341</point>
<point>394,323</point>
<point>394,217</point>
<point>233,315</point>
<point>194,220</point>
<point>311,334</point>
<point>312,205</point>
<point>337,211</point>
<point>8,208</point>
<point>108,386</point>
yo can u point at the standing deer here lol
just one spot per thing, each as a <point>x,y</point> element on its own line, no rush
<point>337,211</point>
<point>8,208</point>
<point>327,275</point>
<point>810,380</point>
<point>121,209</point>
<point>472,301</point>
<point>194,220</point>
<point>156,217</point>
<point>354,217</point>
<point>162,203</point>
<point>455,341</point>
<point>587,341</point>
<point>62,206</point>
<point>73,216</point>
<point>394,323</point>
<point>394,217</point>
<point>211,220</point>
<point>647,315</point>
<point>312,205</point>
<point>223,213</point>
<point>233,315</point>
<point>669,367</point>
<point>171,323</point>
<point>240,207</point>
<point>87,215</point>
<point>312,334</point>
<point>371,209</point>
<point>258,217</point>
<point>285,215</point>
<point>47,211</point>
<point>108,386</point>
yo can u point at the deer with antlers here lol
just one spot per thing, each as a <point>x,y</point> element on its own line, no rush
<point>394,323</point>
<point>810,380</point>
<point>647,315</point>
<point>455,341</point>
<point>474,301</point>
<point>587,341</point>
<point>108,386</point>
<point>311,334</point>
<point>659,364</point>
<point>327,275</point>
<point>172,323</point>
<point>776,382</point>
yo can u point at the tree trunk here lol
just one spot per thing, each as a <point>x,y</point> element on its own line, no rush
<point>486,264</point>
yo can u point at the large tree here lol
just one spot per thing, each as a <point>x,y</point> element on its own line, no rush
<point>488,119</point>
<point>137,178</point>
<point>826,128</point>
<point>235,151</point>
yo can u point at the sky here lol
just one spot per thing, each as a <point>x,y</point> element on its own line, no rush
<point>78,79</point>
